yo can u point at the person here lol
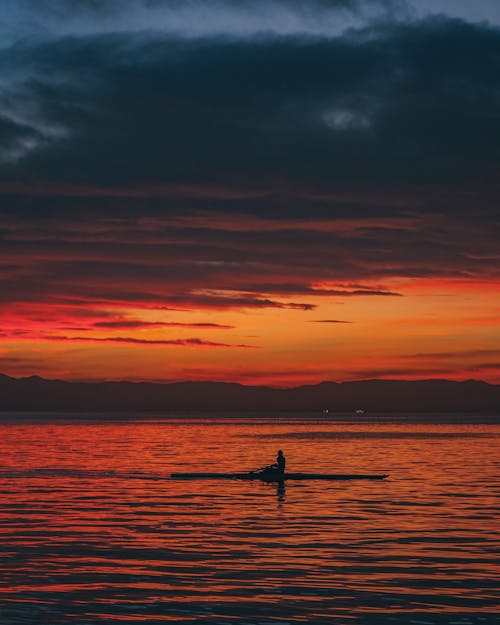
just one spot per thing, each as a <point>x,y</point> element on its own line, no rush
<point>280,462</point>
<point>276,471</point>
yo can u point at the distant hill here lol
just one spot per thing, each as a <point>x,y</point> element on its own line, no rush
<point>34,393</point>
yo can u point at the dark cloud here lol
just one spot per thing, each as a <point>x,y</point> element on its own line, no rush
<point>163,262</point>
<point>240,301</point>
<point>329,321</point>
<point>457,354</point>
<point>304,289</point>
<point>138,325</point>
<point>191,342</point>
<point>16,140</point>
<point>413,103</point>
<point>226,171</point>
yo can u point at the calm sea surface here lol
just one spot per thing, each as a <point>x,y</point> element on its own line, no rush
<point>93,531</point>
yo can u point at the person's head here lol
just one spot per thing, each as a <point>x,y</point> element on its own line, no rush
<point>280,453</point>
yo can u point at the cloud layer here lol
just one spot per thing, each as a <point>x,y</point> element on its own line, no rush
<point>412,102</point>
<point>165,165</point>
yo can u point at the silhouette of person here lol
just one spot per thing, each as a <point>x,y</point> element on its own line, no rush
<point>280,462</point>
<point>276,471</point>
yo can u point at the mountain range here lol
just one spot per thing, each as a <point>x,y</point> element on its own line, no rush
<point>38,394</point>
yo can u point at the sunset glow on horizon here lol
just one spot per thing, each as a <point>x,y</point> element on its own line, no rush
<point>391,327</point>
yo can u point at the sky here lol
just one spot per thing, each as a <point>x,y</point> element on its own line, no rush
<point>271,192</point>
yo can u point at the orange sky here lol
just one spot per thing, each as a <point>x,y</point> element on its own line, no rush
<point>434,328</point>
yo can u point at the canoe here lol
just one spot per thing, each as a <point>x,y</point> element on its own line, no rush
<point>273,478</point>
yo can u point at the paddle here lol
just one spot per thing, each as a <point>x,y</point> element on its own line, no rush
<point>269,466</point>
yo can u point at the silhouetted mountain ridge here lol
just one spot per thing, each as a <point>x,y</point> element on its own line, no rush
<point>37,394</point>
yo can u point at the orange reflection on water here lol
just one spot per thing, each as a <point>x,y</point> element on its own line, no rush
<point>92,528</point>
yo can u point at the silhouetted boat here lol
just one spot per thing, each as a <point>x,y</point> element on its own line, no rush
<point>274,478</point>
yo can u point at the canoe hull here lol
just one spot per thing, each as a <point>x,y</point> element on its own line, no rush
<point>273,478</point>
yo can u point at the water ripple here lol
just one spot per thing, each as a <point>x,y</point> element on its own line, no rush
<point>93,531</point>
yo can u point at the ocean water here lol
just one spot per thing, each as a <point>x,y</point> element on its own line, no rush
<point>93,531</point>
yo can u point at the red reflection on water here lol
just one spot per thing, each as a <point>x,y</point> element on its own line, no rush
<point>89,518</point>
